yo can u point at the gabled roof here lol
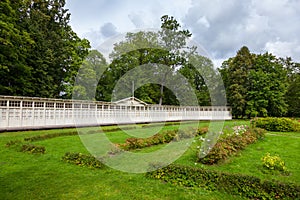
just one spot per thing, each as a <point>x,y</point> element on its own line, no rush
<point>130,101</point>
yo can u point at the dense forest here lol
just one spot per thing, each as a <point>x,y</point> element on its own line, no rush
<point>40,55</point>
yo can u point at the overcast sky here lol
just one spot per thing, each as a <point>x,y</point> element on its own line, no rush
<point>222,27</point>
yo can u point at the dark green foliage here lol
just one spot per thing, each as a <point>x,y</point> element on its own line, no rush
<point>235,72</point>
<point>256,85</point>
<point>15,73</point>
<point>235,184</point>
<point>33,149</point>
<point>82,160</point>
<point>277,124</point>
<point>194,73</point>
<point>266,87</point>
<point>39,52</point>
<point>230,145</point>
<point>293,96</point>
<point>293,93</point>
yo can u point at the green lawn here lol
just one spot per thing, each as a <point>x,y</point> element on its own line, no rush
<point>27,176</point>
<point>249,161</point>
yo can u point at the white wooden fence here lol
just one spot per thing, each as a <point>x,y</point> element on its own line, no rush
<point>20,113</point>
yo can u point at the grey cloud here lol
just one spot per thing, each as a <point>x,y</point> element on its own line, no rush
<point>96,37</point>
<point>223,27</point>
<point>221,36</point>
<point>108,30</point>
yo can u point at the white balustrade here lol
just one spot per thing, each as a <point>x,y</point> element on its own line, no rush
<point>20,113</point>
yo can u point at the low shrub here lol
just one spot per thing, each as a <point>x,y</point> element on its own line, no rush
<point>34,149</point>
<point>276,124</point>
<point>161,138</point>
<point>230,145</point>
<point>18,145</point>
<point>13,143</point>
<point>202,131</point>
<point>82,160</point>
<point>274,163</point>
<point>235,184</point>
<point>48,136</point>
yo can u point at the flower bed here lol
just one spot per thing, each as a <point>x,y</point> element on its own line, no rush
<point>230,144</point>
<point>161,138</point>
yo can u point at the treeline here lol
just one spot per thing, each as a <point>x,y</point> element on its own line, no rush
<point>40,55</point>
<point>256,85</point>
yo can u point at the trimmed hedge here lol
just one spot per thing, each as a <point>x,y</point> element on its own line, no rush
<point>82,160</point>
<point>277,124</point>
<point>230,145</point>
<point>161,138</point>
<point>49,136</point>
<point>71,133</point>
<point>235,184</point>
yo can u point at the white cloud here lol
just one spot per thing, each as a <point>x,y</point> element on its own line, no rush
<point>283,49</point>
<point>256,24</point>
<point>203,21</point>
<point>221,27</point>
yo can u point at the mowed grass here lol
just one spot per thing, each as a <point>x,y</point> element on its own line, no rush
<point>249,161</point>
<point>27,176</point>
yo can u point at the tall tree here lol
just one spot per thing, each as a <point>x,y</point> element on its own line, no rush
<point>174,40</point>
<point>267,87</point>
<point>15,73</point>
<point>87,77</point>
<point>50,56</point>
<point>235,72</point>
<point>293,94</point>
<point>57,52</point>
<point>166,47</point>
<point>194,73</point>
<point>255,84</point>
